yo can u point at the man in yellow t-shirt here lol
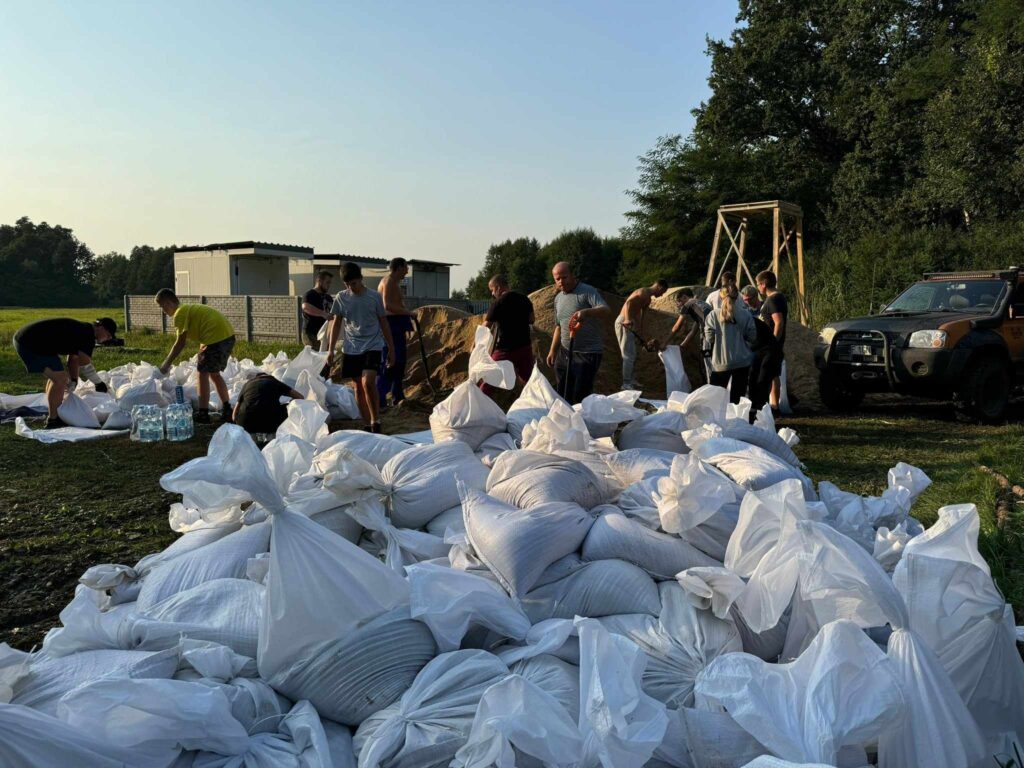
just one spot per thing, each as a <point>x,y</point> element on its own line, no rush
<point>216,339</point>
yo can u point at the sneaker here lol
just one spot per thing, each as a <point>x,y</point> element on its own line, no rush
<point>202,417</point>
<point>225,417</point>
<point>55,423</point>
<point>376,428</point>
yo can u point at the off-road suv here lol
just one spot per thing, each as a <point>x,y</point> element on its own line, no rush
<point>956,336</point>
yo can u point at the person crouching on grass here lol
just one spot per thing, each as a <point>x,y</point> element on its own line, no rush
<point>216,338</point>
<point>41,344</point>
<point>362,313</point>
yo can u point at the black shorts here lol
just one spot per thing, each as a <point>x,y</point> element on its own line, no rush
<point>352,366</point>
<point>36,362</point>
<point>213,358</point>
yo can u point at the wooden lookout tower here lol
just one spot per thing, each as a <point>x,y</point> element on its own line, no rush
<point>787,229</point>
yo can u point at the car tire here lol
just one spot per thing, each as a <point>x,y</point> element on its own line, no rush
<point>985,391</point>
<point>836,395</point>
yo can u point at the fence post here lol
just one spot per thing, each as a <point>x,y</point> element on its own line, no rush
<point>163,321</point>
<point>248,317</point>
<point>298,319</point>
<point>127,314</point>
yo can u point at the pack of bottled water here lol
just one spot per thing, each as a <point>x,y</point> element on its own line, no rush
<point>178,421</point>
<point>147,423</point>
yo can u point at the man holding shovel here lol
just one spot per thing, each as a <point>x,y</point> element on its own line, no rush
<point>629,327</point>
<point>576,357</point>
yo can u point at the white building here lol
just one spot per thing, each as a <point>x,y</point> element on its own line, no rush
<point>272,269</point>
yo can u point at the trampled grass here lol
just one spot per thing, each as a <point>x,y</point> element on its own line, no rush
<point>64,508</point>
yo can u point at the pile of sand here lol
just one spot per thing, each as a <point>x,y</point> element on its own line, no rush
<point>448,338</point>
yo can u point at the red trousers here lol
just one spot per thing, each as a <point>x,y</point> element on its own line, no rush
<point>522,361</point>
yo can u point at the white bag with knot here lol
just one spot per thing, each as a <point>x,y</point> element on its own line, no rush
<point>707,404</point>
<point>518,544</point>
<point>533,403</point>
<point>75,413</point>
<point>662,431</point>
<point>433,719</point>
<point>621,725</point>
<point>749,466</point>
<point>466,415</point>
<point>956,607</point>
<point>497,373</point>
<point>423,481</point>
<point>402,546</point>
<point>602,414</point>
<point>905,484</point>
<point>839,696</point>
<point>595,589</point>
<point>692,493</point>
<point>562,429</point>
<point>306,361</point>
<point>307,420</point>
<point>375,448</point>
<point>615,536</point>
<point>147,392</point>
<point>741,429</point>
<point>680,643</point>
<point>527,478</point>
<point>514,719</point>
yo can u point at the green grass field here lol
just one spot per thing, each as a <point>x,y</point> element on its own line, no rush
<point>66,507</point>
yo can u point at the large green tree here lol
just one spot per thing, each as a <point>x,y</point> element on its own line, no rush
<point>517,259</point>
<point>44,266</point>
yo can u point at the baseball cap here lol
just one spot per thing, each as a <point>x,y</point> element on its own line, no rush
<point>109,324</point>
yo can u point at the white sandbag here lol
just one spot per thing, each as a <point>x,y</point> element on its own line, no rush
<point>600,588</point>
<point>744,431</point>
<point>374,448</point>
<point>693,492</point>
<point>889,545</point>
<point>662,431</point>
<point>449,520</point>
<point>640,496</point>
<point>957,609</point>
<point>225,558</point>
<point>312,387</point>
<point>842,692</point>
<point>154,720</point>
<point>905,484</point>
<point>621,725</point>
<point>533,403</point>
<point>528,478</point>
<point>61,434</point>
<point>434,717</point>
<point>224,611</point>
<point>710,589</point>
<point>306,360</point>
<point>749,466</point>
<point>707,404</point>
<point>75,413</point>
<point>119,419</point>
<point>341,401</point>
<point>676,379</point>
<point>680,643</point>
<point>482,368</point>
<point>400,546</point>
<point>615,536</point>
<point>636,464</point>
<point>307,420</point>
<point>561,429</point>
<point>602,414</point>
<point>298,741</point>
<point>232,472</point>
<point>423,479</point>
<point>495,445</point>
<point>556,677</point>
<point>514,719</point>
<point>466,415</point>
<point>287,457</point>
<point>31,738</point>
<point>50,678</point>
<point>141,393</point>
<point>518,544</point>
<point>696,738</point>
<point>449,601</point>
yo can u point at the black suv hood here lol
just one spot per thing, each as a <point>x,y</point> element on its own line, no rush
<point>902,324</point>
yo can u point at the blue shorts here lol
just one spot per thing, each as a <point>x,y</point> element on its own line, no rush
<point>37,363</point>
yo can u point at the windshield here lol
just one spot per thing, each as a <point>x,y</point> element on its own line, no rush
<point>974,296</point>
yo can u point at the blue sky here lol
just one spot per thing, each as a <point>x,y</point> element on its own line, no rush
<point>428,129</point>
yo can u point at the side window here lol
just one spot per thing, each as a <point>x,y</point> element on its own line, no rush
<point>1017,302</point>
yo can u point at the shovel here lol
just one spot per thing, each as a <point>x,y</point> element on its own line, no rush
<point>423,356</point>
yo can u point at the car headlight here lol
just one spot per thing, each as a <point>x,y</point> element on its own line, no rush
<point>826,335</point>
<point>927,340</point>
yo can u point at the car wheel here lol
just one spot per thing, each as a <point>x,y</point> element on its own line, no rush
<point>985,393</point>
<point>836,394</point>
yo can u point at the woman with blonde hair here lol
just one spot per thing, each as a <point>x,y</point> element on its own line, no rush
<point>729,334</point>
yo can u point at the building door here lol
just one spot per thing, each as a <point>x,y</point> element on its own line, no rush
<point>181,283</point>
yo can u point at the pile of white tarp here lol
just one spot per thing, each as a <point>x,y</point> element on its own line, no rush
<point>90,414</point>
<point>686,598</point>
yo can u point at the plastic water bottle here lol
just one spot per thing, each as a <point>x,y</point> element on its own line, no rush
<point>179,394</point>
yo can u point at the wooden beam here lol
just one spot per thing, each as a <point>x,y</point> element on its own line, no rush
<point>714,250</point>
<point>775,242</point>
<point>804,316</point>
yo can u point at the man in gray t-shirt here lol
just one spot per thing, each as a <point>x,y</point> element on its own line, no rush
<point>575,378</point>
<point>361,311</point>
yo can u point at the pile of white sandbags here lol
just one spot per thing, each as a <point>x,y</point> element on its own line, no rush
<point>351,599</point>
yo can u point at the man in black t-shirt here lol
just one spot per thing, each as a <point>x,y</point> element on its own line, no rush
<point>41,344</point>
<point>692,311</point>
<point>767,351</point>
<point>509,318</point>
<point>259,409</point>
<point>316,305</point>
<point>775,313</point>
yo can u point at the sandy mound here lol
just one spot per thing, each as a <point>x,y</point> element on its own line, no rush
<point>448,337</point>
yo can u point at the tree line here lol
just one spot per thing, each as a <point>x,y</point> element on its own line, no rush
<point>47,266</point>
<point>895,124</point>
